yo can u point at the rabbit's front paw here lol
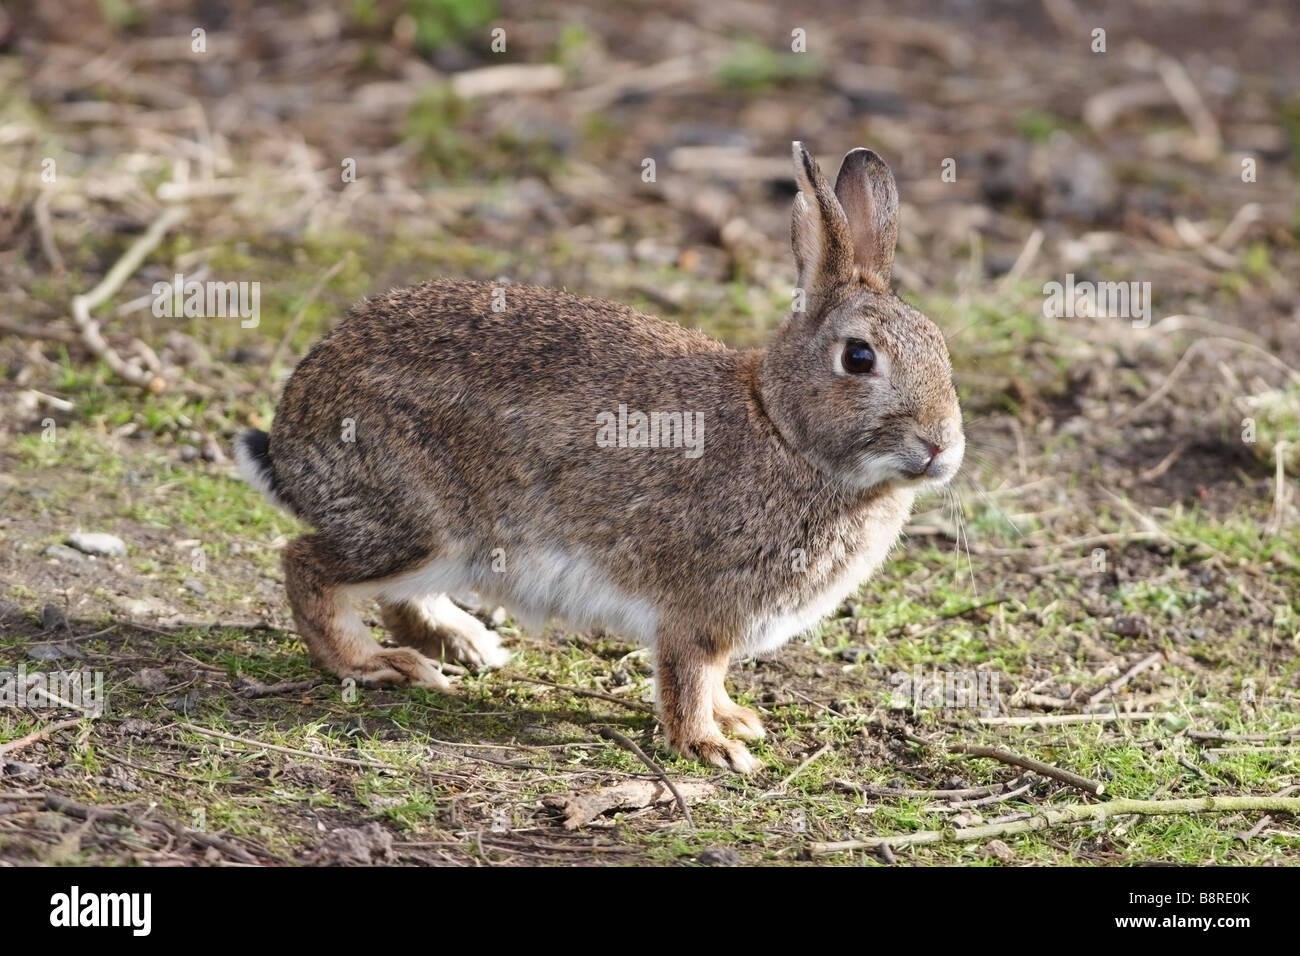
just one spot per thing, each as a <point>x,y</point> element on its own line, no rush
<point>402,665</point>
<point>436,627</point>
<point>721,752</point>
<point>739,721</point>
<point>474,645</point>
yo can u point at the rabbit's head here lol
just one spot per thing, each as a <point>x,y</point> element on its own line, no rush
<point>857,381</point>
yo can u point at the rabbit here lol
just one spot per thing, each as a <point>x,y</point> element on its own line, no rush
<point>457,437</point>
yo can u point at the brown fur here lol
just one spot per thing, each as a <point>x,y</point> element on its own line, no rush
<point>475,431</point>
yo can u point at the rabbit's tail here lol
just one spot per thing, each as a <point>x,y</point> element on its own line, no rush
<point>253,456</point>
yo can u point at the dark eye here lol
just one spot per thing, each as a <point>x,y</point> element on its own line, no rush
<point>858,357</point>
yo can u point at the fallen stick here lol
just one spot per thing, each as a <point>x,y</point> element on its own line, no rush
<point>582,692</point>
<point>112,281</point>
<point>1059,816</point>
<point>253,689</point>
<point>1048,720</point>
<point>969,793</point>
<point>1128,675</point>
<point>1093,787</point>
<point>115,815</point>
<point>247,742</point>
<point>1172,378</point>
<point>780,787</point>
<point>1284,737</point>
<point>15,745</point>
<point>1019,791</point>
<point>628,744</point>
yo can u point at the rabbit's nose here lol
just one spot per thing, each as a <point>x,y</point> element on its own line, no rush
<point>934,450</point>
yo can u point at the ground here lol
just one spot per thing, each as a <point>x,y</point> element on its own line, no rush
<point>1120,557</point>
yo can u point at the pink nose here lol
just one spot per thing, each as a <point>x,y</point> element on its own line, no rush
<point>934,450</point>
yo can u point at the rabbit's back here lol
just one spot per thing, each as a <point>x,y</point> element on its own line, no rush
<point>426,409</point>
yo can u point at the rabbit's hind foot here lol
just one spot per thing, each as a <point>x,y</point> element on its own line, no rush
<point>335,636</point>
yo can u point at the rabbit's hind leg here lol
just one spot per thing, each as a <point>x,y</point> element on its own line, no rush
<point>318,585</point>
<point>438,628</point>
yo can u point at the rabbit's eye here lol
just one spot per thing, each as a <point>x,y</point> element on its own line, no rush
<point>858,358</point>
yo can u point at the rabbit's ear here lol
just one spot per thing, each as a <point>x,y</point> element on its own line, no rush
<point>819,231</point>
<point>868,195</point>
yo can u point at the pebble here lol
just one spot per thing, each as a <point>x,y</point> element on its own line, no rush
<point>1000,851</point>
<point>186,704</point>
<point>10,613</point>
<point>61,552</point>
<point>719,857</point>
<point>104,545</point>
<point>195,585</point>
<point>53,618</point>
<point>152,680</point>
<point>21,772</point>
<point>52,652</point>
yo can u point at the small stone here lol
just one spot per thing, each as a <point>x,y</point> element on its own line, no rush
<point>186,704</point>
<point>852,654</point>
<point>61,552</point>
<point>999,851</point>
<point>248,355</point>
<point>151,680</point>
<point>189,453</point>
<point>195,585</point>
<point>135,727</point>
<point>104,545</point>
<point>10,614</point>
<point>52,651</point>
<point>719,857</point>
<point>364,846</point>
<point>1130,626</point>
<point>21,772</point>
<point>212,452</point>
<point>53,618</point>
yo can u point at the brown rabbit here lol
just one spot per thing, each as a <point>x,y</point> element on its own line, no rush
<point>572,458</point>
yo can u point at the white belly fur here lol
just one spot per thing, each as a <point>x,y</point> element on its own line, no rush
<point>543,585</point>
<point>535,587</point>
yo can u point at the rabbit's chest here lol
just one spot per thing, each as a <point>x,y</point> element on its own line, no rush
<point>831,573</point>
